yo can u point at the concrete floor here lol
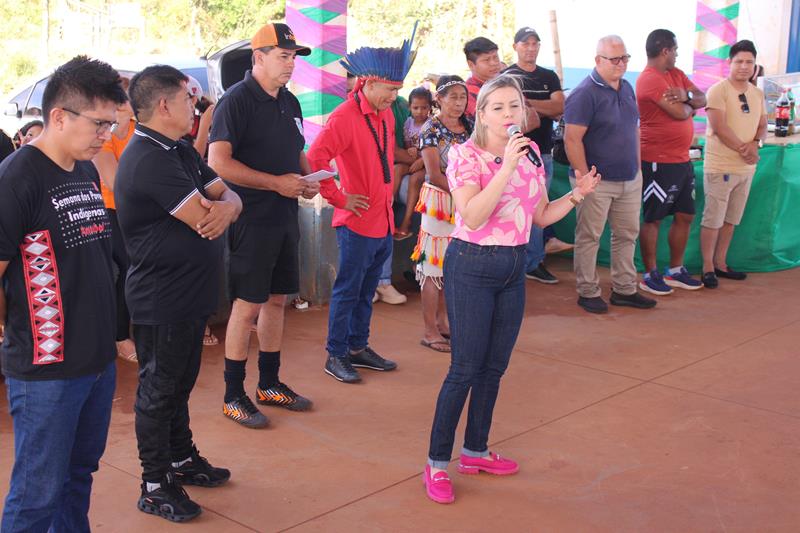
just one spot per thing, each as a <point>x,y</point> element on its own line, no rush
<point>684,418</point>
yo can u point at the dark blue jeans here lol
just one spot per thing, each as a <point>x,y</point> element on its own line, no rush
<point>484,288</point>
<point>539,236</point>
<point>361,260</point>
<point>60,430</point>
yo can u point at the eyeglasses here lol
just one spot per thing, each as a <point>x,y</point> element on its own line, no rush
<point>743,100</point>
<point>616,60</point>
<point>103,126</point>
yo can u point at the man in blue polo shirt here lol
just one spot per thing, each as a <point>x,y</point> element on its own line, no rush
<point>602,130</point>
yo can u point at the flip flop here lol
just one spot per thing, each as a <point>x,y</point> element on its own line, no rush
<point>210,340</point>
<point>443,346</point>
<point>445,335</point>
<point>401,235</point>
<point>130,357</point>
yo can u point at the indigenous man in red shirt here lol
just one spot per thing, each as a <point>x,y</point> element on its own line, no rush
<point>667,101</point>
<point>359,135</point>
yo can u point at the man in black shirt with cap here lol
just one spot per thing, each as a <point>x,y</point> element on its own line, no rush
<point>542,90</point>
<point>256,145</point>
<point>172,209</point>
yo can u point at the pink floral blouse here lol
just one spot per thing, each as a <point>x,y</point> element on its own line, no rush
<point>510,222</point>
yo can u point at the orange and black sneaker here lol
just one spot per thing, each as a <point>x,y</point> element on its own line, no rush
<point>244,412</point>
<point>280,395</point>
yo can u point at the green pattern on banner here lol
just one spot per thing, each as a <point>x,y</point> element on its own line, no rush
<point>315,103</point>
<point>768,239</point>
<point>319,57</point>
<point>730,12</point>
<point>721,52</point>
<point>316,14</point>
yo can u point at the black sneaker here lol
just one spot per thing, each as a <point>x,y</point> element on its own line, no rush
<point>198,471</point>
<point>730,274</point>
<point>244,412</point>
<point>280,395</point>
<point>367,358</point>
<point>542,275</point>
<point>632,300</point>
<point>168,501</point>
<point>710,280</point>
<point>594,305</point>
<point>341,369</point>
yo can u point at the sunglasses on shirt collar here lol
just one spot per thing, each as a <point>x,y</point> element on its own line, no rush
<point>743,100</point>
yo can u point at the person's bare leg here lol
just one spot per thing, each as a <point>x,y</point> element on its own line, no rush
<point>414,185</point>
<point>648,242</point>
<point>430,307</point>
<point>270,323</point>
<point>723,243</point>
<point>400,170</point>
<point>708,243</point>
<point>678,237</point>
<point>237,334</point>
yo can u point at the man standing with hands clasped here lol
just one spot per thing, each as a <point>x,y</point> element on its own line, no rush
<point>172,210</point>
<point>737,125</point>
<point>256,145</point>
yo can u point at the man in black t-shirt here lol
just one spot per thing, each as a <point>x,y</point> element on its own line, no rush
<point>172,209</point>
<point>542,89</point>
<point>57,302</point>
<point>256,145</point>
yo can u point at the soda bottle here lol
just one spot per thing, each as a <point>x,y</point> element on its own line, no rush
<point>782,115</point>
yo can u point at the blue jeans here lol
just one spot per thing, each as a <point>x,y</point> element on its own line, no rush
<point>484,288</point>
<point>60,430</point>
<point>535,248</point>
<point>386,269</point>
<point>361,260</point>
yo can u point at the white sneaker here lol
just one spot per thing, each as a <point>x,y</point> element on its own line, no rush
<point>390,295</point>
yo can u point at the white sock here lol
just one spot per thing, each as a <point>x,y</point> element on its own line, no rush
<point>675,270</point>
<point>153,486</point>
<point>181,463</point>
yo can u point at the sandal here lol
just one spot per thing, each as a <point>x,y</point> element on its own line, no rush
<point>436,346</point>
<point>209,339</point>
<point>401,235</point>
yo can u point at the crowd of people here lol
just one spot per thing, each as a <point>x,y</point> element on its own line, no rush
<point>113,226</point>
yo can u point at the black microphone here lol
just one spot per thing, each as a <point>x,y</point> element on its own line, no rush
<point>532,157</point>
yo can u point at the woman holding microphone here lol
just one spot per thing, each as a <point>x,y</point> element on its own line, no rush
<point>498,186</point>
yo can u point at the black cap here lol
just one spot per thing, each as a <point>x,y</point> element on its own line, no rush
<point>280,35</point>
<point>524,33</point>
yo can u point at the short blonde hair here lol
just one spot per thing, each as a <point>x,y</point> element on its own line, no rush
<point>500,82</point>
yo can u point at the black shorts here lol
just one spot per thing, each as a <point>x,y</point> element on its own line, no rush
<point>261,260</point>
<point>667,188</point>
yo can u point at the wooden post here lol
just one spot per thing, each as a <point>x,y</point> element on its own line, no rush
<point>556,46</point>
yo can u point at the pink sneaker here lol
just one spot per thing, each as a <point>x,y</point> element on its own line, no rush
<point>439,488</point>
<point>500,466</point>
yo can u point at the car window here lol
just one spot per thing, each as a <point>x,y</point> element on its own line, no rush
<point>200,75</point>
<point>34,108</point>
<point>21,98</point>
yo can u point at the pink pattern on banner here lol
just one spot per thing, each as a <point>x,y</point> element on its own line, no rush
<point>318,79</point>
<point>311,131</point>
<point>315,34</point>
<point>716,23</point>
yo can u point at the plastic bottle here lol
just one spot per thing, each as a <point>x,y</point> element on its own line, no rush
<point>790,96</point>
<point>782,115</point>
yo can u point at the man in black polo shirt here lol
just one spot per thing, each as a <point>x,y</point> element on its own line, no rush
<point>542,89</point>
<point>256,144</point>
<point>57,302</point>
<point>172,209</point>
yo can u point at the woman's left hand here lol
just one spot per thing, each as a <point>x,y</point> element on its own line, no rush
<point>587,183</point>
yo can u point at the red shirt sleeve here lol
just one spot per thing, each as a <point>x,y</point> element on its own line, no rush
<point>329,143</point>
<point>650,87</point>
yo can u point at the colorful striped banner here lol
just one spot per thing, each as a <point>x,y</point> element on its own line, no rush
<point>716,30</point>
<point>319,81</point>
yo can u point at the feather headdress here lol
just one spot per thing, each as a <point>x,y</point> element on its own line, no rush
<point>390,65</point>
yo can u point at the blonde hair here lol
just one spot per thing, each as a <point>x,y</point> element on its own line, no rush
<point>500,82</point>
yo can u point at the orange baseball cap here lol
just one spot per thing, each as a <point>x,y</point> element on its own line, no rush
<point>280,35</point>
